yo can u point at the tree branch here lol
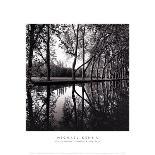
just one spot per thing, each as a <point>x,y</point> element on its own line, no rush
<point>39,52</point>
<point>112,57</point>
<point>40,29</point>
<point>74,30</point>
<point>92,56</point>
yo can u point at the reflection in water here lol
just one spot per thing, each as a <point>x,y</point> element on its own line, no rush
<point>96,106</point>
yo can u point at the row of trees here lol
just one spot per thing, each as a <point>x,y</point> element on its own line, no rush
<point>107,47</point>
<point>56,70</point>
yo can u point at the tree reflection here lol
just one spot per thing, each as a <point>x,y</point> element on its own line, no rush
<point>47,107</point>
<point>74,101</point>
<point>82,121</point>
<point>42,102</point>
<point>97,106</point>
<point>111,106</point>
<point>29,122</point>
<point>68,121</point>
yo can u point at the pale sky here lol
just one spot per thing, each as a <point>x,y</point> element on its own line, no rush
<point>62,56</point>
<point>66,59</point>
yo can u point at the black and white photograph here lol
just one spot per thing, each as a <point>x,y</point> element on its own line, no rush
<point>77,77</point>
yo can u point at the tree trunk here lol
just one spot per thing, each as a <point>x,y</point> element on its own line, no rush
<point>29,72</point>
<point>48,53</point>
<point>83,71</point>
<point>75,54</point>
<point>98,67</point>
<point>92,68</point>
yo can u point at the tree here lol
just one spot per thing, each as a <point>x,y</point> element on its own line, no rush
<point>48,53</point>
<point>75,54</point>
<point>83,54</point>
<point>110,51</point>
<point>30,43</point>
<point>33,32</point>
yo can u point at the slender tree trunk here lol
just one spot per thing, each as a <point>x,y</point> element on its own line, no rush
<point>93,63</point>
<point>74,107</point>
<point>83,71</point>
<point>48,53</point>
<point>98,67</point>
<point>30,110</point>
<point>29,72</point>
<point>75,54</point>
<point>47,107</point>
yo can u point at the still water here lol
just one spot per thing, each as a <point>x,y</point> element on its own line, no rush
<point>100,106</point>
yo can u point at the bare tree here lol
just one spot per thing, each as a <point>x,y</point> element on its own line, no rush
<point>75,54</point>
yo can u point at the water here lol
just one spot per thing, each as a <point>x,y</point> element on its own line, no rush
<point>102,106</point>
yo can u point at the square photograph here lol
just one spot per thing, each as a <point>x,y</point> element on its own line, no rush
<point>77,77</point>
